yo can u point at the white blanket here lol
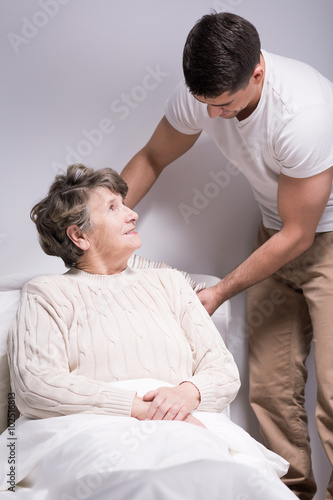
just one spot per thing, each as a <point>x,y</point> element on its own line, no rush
<point>120,458</point>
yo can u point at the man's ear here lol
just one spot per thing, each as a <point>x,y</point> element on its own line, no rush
<point>78,237</point>
<point>258,73</point>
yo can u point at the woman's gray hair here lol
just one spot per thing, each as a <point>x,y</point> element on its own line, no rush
<point>66,205</point>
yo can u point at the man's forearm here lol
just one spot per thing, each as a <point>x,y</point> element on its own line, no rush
<point>165,146</point>
<point>265,261</point>
<point>140,175</point>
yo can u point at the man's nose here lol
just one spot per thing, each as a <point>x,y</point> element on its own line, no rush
<point>213,111</point>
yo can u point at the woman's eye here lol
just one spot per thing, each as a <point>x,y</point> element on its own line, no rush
<point>112,207</point>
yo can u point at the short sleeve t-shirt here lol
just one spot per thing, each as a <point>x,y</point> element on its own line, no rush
<point>290,131</point>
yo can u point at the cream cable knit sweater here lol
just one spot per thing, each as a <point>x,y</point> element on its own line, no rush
<point>75,333</point>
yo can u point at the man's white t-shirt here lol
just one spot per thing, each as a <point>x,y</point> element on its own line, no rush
<point>290,131</point>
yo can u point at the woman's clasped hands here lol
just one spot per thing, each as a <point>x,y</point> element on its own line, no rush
<point>168,403</point>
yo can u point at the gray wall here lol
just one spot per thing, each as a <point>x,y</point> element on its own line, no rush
<point>86,80</point>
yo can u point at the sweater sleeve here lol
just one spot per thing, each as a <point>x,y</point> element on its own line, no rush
<point>39,365</point>
<point>215,372</point>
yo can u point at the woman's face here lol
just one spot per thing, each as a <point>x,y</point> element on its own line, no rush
<point>113,237</point>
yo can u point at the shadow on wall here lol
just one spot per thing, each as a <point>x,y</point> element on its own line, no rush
<point>192,217</point>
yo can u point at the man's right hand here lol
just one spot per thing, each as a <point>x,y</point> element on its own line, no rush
<point>210,299</point>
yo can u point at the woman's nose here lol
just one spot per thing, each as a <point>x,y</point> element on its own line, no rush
<point>131,215</point>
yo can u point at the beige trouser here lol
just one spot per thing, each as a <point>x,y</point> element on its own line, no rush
<point>285,313</point>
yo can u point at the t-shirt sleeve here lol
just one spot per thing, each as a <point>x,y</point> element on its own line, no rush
<point>183,111</point>
<point>305,147</point>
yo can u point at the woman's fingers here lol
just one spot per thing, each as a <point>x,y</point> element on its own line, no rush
<point>193,420</point>
<point>172,403</point>
<point>169,404</point>
<point>149,396</point>
<point>158,408</point>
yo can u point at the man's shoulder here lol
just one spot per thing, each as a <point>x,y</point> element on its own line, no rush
<point>285,62</point>
<point>185,113</point>
<point>296,83</point>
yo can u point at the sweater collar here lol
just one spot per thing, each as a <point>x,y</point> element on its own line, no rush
<point>126,277</point>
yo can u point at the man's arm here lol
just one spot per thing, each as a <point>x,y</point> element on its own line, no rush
<point>164,147</point>
<point>301,203</point>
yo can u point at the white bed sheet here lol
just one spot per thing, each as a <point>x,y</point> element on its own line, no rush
<point>120,458</point>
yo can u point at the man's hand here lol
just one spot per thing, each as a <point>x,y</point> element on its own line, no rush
<point>210,299</point>
<point>173,403</point>
<point>301,203</point>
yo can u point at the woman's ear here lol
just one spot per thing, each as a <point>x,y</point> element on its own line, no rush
<point>78,237</point>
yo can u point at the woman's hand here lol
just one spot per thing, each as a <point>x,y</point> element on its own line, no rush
<point>139,408</point>
<point>168,403</point>
<point>192,420</point>
<point>172,403</point>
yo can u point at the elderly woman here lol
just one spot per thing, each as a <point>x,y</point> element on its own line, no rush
<point>103,321</point>
<point>82,344</point>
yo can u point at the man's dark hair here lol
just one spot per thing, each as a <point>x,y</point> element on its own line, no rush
<point>220,54</point>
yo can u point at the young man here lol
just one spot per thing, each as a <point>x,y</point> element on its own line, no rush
<point>272,117</point>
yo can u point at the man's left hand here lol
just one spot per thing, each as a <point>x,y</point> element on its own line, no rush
<point>209,299</point>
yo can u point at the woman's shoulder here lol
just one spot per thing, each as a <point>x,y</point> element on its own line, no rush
<point>44,283</point>
<point>138,262</point>
<point>163,272</point>
<point>166,277</point>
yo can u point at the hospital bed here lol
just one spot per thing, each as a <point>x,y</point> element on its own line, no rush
<point>121,458</point>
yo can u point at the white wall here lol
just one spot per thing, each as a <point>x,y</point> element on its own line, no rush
<point>70,66</point>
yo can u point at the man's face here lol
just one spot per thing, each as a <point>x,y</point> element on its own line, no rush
<point>240,104</point>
